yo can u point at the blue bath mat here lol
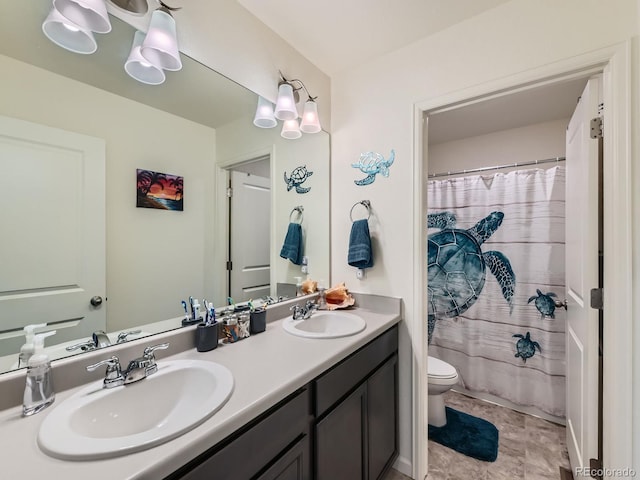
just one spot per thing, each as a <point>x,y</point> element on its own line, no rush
<point>466,434</point>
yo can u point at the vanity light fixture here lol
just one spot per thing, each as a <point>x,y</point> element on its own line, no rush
<point>71,24</point>
<point>88,14</point>
<point>286,110</point>
<point>160,46</point>
<point>139,67</point>
<point>64,33</point>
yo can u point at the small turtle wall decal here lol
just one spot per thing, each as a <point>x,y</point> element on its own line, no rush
<point>457,266</point>
<point>525,347</point>
<point>371,164</point>
<point>544,303</point>
<point>297,178</point>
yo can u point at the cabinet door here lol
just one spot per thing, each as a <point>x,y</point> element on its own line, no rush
<point>339,440</point>
<point>293,465</point>
<point>382,418</point>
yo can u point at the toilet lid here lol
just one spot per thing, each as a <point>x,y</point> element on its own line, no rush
<point>440,369</point>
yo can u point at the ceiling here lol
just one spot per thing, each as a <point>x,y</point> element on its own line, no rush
<point>336,34</point>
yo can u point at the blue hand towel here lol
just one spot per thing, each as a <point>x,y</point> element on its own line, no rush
<point>292,247</point>
<point>360,254</point>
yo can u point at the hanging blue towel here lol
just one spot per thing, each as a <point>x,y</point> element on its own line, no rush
<point>360,254</point>
<point>292,247</point>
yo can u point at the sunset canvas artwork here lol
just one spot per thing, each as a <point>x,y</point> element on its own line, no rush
<point>159,190</point>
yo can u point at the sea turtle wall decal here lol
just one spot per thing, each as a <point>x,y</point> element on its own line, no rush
<point>525,347</point>
<point>544,303</point>
<point>297,178</point>
<point>457,266</point>
<point>371,164</point>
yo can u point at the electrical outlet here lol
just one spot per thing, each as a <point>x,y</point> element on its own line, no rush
<point>360,274</point>
<point>305,260</point>
<point>305,269</point>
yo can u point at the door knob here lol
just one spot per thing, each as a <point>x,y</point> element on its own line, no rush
<point>96,301</point>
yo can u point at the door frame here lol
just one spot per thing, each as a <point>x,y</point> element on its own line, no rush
<point>615,64</point>
<point>221,218</point>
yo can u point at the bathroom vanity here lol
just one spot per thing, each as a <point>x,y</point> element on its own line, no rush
<point>301,408</point>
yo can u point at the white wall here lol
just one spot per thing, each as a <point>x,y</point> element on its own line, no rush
<point>373,109</point>
<point>154,257</point>
<point>515,145</point>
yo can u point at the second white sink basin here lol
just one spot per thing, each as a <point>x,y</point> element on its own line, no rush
<point>326,325</point>
<point>97,423</point>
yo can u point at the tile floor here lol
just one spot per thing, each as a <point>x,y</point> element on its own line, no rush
<point>530,448</point>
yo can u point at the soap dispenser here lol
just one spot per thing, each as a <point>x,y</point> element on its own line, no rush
<point>28,348</point>
<point>38,391</point>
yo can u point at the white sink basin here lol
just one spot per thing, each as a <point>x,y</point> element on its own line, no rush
<point>97,423</point>
<point>325,325</point>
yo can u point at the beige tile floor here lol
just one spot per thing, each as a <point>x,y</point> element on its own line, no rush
<point>529,448</point>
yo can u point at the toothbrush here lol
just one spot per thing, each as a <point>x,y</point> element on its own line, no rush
<point>186,313</point>
<point>193,312</point>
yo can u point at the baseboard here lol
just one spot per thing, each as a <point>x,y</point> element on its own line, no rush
<point>404,466</point>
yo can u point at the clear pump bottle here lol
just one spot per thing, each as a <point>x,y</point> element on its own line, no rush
<point>38,391</point>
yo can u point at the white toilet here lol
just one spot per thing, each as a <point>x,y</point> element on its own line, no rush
<point>442,377</point>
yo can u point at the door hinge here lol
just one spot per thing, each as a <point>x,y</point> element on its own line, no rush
<point>595,467</point>
<point>229,265</point>
<point>229,192</point>
<point>597,300</point>
<point>596,127</point>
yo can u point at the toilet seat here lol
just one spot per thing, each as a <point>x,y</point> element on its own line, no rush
<point>439,370</point>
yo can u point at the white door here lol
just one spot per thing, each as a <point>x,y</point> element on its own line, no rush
<point>582,272</point>
<point>250,234</point>
<point>52,247</point>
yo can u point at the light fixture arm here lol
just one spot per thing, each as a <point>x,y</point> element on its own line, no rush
<point>166,8</point>
<point>295,89</point>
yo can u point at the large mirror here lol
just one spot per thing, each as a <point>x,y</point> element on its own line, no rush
<point>198,126</point>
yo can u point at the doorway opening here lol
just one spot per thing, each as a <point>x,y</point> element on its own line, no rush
<point>616,186</point>
<point>249,229</point>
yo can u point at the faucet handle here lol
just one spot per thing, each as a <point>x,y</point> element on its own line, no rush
<point>148,352</point>
<point>113,375</point>
<point>122,336</point>
<point>84,346</point>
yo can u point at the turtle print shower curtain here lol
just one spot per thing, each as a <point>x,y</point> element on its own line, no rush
<point>495,271</point>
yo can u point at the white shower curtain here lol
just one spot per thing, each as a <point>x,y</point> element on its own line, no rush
<point>493,349</point>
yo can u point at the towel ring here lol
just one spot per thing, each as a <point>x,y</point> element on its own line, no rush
<point>298,209</point>
<point>366,204</point>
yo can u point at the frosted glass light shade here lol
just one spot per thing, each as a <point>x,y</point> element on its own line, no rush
<point>291,129</point>
<point>310,122</point>
<point>285,104</point>
<point>139,68</point>
<point>264,114</point>
<point>88,14</point>
<point>160,46</point>
<point>61,31</point>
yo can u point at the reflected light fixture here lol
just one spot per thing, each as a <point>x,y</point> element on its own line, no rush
<point>287,111</point>
<point>160,46</point>
<point>139,67</point>
<point>264,117</point>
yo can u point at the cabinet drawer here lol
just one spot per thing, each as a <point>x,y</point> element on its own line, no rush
<point>248,453</point>
<point>334,384</point>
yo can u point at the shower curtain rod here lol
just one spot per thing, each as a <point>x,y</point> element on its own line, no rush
<point>497,167</point>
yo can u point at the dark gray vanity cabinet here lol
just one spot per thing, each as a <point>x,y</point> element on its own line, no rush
<point>356,408</point>
<point>275,446</point>
<point>341,426</point>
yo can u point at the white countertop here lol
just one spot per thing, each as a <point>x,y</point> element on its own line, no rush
<point>266,367</point>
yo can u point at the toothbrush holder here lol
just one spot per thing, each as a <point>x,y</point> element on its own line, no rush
<point>206,336</point>
<point>258,322</point>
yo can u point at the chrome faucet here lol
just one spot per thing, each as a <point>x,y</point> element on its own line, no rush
<point>100,339</point>
<point>303,313</point>
<point>137,369</point>
<point>143,366</point>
